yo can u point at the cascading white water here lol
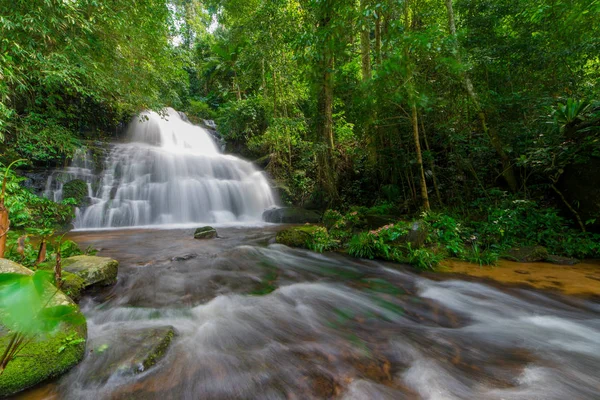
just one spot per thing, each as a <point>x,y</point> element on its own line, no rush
<point>168,172</point>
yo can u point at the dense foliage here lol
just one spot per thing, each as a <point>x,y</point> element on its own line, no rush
<point>76,68</point>
<point>412,105</point>
<point>365,101</point>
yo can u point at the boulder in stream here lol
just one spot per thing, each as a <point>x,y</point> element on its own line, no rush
<point>128,352</point>
<point>296,236</point>
<point>291,215</point>
<point>44,357</point>
<point>93,270</point>
<point>527,254</point>
<point>205,232</point>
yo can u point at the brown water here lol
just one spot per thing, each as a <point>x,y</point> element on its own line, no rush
<point>582,279</point>
<point>257,320</point>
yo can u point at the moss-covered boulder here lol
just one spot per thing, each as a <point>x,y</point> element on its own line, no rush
<point>296,236</point>
<point>44,357</point>
<point>72,285</point>
<point>128,352</point>
<point>205,232</point>
<point>527,254</point>
<point>291,215</point>
<point>76,189</point>
<point>93,270</point>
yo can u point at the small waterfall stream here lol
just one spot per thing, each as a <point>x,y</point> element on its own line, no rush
<point>167,172</point>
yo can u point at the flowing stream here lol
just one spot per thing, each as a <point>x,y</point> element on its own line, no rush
<point>167,172</point>
<point>258,320</point>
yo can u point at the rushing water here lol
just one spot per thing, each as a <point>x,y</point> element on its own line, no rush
<point>257,320</point>
<point>168,171</point>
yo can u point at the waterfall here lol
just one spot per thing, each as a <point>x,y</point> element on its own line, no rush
<point>167,172</point>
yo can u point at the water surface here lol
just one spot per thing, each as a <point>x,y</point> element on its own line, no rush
<point>258,320</point>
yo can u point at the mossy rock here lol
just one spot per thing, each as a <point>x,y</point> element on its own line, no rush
<point>527,254</point>
<point>205,232</point>
<point>291,215</point>
<point>46,357</point>
<point>72,285</point>
<point>297,236</point>
<point>128,352</point>
<point>93,270</point>
<point>76,189</point>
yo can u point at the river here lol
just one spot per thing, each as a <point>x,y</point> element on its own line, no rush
<point>258,320</point>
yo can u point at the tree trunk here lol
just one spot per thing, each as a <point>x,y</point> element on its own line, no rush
<point>274,94</point>
<point>508,171</point>
<point>58,268</point>
<point>433,175</point>
<point>41,253</point>
<point>325,105</point>
<point>365,43</point>
<point>378,39</point>
<point>4,227</point>
<point>422,181</point>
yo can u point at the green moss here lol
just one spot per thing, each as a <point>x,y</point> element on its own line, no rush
<point>159,351</point>
<point>72,285</point>
<point>42,360</point>
<point>297,236</point>
<point>93,270</point>
<point>205,232</point>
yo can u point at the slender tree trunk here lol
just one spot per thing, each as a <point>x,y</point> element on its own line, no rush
<point>41,253</point>
<point>508,171</point>
<point>325,105</point>
<point>58,268</point>
<point>378,39</point>
<point>412,94</point>
<point>433,174</point>
<point>4,227</point>
<point>365,43</point>
<point>422,181</point>
<point>274,93</point>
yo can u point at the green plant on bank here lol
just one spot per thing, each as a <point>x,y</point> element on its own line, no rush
<point>321,241</point>
<point>482,257</point>
<point>30,211</point>
<point>24,248</point>
<point>446,231</point>
<point>502,222</point>
<point>368,245</point>
<point>423,258</point>
<point>26,311</point>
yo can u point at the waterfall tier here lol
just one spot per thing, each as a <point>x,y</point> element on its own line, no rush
<point>167,172</point>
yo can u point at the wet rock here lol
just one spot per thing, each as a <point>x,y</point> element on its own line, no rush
<point>562,260</point>
<point>184,257</point>
<point>297,236</point>
<point>72,285</point>
<point>322,386</point>
<point>527,254</point>
<point>48,357</point>
<point>206,232</point>
<point>93,270</point>
<point>291,215</point>
<point>128,352</point>
<point>76,189</point>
